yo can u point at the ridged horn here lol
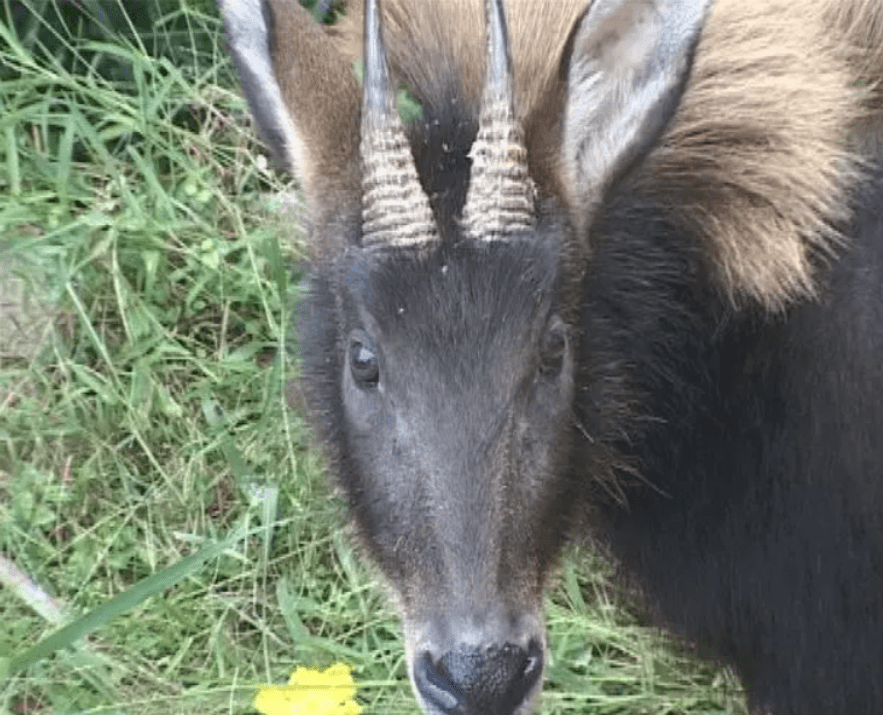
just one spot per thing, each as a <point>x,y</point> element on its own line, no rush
<point>395,209</point>
<point>500,198</point>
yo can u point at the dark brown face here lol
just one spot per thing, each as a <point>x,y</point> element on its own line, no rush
<point>450,381</point>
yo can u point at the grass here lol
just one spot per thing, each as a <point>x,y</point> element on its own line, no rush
<point>167,541</point>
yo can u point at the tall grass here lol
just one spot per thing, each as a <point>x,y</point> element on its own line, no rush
<point>166,538</point>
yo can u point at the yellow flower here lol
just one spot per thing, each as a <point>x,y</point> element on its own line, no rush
<point>310,692</point>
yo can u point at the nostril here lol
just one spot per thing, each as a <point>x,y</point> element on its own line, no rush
<point>437,692</point>
<point>524,669</point>
<point>533,664</point>
<point>489,681</point>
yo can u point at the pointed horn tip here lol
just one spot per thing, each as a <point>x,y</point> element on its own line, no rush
<point>501,194</point>
<point>395,210</point>
<point>376,92</point>
<point>498,77</point>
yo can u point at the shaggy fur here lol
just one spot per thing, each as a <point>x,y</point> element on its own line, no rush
<point>760,536</point>
<point>756,158</point>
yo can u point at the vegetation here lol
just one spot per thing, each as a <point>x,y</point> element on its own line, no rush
<point>167,540</point>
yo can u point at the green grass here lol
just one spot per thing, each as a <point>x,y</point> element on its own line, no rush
<point>153,482</point>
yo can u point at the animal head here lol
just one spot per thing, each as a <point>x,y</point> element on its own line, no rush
<point>444,335</point>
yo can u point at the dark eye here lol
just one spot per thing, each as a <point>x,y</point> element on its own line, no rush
<point>363,363</point>
<point>553,347</point>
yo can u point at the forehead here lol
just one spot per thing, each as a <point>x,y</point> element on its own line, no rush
<point>457,294</point>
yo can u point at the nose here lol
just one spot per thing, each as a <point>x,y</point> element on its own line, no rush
<point>493,680</point>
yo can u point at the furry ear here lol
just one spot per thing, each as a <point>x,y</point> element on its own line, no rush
<point>304,97</point>
<point>627,65</point>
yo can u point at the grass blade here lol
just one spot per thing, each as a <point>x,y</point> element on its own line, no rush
<point>125,601</point>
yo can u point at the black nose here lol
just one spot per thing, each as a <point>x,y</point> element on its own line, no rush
<point>479,681</point>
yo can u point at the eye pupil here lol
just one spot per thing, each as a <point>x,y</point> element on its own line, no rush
<point>363,364</point>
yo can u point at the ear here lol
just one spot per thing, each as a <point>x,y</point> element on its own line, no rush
<point>304,97</point>
<point>627,67</point>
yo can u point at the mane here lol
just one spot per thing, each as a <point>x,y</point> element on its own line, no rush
<point>762,160</point>
<point>759,161</point>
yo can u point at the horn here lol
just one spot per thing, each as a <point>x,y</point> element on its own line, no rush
<point>500,198</point>
<point>395,209</point>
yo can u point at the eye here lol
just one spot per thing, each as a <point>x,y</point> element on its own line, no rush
<point>363,363</point>
<point>553,347</point>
